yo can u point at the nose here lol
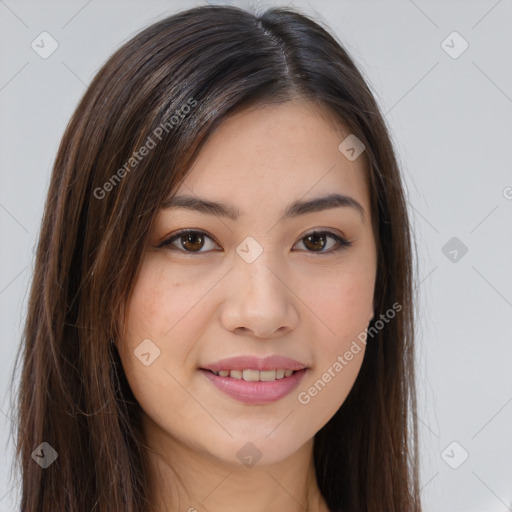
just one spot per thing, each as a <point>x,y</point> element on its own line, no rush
<point>260,300</point>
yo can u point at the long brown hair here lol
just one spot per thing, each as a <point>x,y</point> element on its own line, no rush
<point>173,84</point>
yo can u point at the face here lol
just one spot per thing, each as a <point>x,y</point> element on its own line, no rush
<point>259,285</point>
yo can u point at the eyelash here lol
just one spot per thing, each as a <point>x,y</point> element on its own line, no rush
<point>341,243</point>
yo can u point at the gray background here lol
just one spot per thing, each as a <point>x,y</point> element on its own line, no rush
<point>452,125</point>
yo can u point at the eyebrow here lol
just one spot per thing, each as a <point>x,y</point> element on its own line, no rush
<point>294,210</point>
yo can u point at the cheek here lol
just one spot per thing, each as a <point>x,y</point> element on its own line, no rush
<point>348,311</point>
<point>147,319</point>
<point>346,317</point>
<point>157,320</point>
<point>166,307</point>
<point>339,351</point>
<point>162,303</point>
<point>343,305</point>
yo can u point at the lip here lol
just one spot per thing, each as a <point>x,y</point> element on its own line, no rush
<point>274,362</point>
<point>256,393</point>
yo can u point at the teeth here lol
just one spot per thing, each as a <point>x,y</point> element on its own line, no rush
<point>267,375</point>
<point>235,374</point>
<point>251,375</point>
<point>255,375</point>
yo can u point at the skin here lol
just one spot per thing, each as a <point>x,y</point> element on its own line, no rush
<point>295,299</point>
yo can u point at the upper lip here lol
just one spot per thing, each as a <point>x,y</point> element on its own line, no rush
<point>274,362</point>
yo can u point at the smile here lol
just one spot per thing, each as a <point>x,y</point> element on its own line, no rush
<point>255,375</point>
<point>255,387</point>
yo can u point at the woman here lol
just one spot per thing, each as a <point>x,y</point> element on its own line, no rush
<point>221,314</point>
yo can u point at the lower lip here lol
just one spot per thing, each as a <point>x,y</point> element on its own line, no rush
<point>256,392</point>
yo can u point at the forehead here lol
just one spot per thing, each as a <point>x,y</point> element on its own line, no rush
<point>273,152</point>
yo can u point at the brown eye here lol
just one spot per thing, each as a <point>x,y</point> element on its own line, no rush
<point>316,242</point>
<point>191,241</point>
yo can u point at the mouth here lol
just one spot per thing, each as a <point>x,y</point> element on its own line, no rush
<point>251,375</point>
<point>255,387</point>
